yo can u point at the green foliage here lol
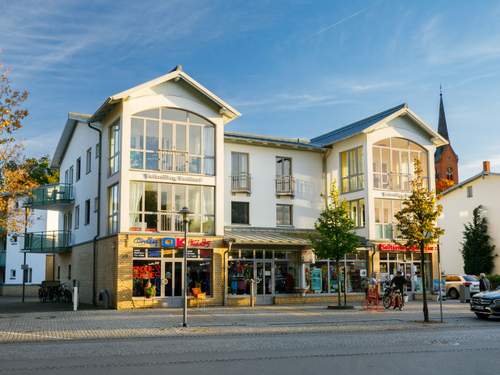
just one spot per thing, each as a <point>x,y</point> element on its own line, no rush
<point>477,250</point>
<point>334,230</point>
<point>38,170</point>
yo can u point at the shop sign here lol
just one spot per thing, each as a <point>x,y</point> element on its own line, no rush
<point>154,253</point>
<point>179,242</point>
<point>316,280</point>
<point>172,178</point>
<point>398,247</point>
<point>139,253</point>
<point>150,241</point>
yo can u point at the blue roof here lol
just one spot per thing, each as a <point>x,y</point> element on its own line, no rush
<point>354,128</point>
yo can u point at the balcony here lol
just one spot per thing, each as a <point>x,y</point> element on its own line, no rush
<point>241,183</point>
<point>399,182</point>
<point>56,196</point>
<point>285,185</point>
<point>47,242</point>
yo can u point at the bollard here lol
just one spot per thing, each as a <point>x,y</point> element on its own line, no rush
<point>75,294</point>
<point>252,293</point>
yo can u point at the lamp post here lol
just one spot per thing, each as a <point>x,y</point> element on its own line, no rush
<point>185,212</point>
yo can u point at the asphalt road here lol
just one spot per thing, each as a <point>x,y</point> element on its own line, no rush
<point>472,347</point>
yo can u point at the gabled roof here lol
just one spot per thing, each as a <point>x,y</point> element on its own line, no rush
<point>264,140</point>
<point>482,174</point>
<point>368,123</point>
<point>73,119</point>
<point>229,113</point>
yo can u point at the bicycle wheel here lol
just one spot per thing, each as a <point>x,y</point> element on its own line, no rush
<point>386,302</point>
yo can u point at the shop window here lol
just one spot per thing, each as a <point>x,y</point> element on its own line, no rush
<point>352,170</point>
<point>240,213</point>
<point>200,276</point>
<point>284,215</point>
<point>146,277</point>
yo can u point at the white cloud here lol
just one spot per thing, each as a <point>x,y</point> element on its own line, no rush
<point>290,102</point>
<point>471,167</point>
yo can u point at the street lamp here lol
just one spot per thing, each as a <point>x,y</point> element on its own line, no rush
<point>185,212</point>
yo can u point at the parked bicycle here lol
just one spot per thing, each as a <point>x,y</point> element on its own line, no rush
<point>54,291</point>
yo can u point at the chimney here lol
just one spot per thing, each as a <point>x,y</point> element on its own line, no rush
<point>486,167</point>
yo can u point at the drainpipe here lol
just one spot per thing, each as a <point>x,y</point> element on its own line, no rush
<point>325,173</point>
<point>98,231</point>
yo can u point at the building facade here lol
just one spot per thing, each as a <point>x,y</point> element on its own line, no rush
<point>458,204</point>
<point>128,169</point>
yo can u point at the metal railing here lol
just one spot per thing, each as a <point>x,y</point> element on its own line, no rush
<point>173,161</point>
<point>400,182</point>
<point>241,183</point>
<point>285,185</point>
<point>47,242</point>
<point>48,195</point>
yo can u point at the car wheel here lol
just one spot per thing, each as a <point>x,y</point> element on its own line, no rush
<point>453,293</point>
<point>482,316</point>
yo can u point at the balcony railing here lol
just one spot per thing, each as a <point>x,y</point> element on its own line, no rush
<point>386,231</point>
<point>399,182</point>
<point>285,185</point>
<point>51,196</point>
<point>241,183</point>
<point>47,242</point>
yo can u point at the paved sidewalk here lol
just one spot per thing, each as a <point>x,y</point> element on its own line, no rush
<point>110,324</point>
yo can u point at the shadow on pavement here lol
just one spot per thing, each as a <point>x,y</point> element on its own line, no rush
<point>14,305</point>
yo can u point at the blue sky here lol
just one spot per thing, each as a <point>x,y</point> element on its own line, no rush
<point>293,68</point>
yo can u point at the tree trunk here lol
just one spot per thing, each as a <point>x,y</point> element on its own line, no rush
<point>337,266</point>
<point>424,291</point>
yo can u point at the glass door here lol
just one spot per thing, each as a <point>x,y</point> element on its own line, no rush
<point>172,283</point>
<point>264,274</point>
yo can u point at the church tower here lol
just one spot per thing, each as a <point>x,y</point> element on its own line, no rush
<point>445,159</point>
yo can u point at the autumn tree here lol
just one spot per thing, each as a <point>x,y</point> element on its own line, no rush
<point>334,236</point>
<point>416,223</point>
<point>38,170</point>
<point>13,181</point>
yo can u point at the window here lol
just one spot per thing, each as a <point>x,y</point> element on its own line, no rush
<point>12,274</point>
<point>66,176</point>
<point>70,175</point>
<point>393,160</point>
<point>352,170</point>
<point>385,209</point>
<point>77,217</point>
<point>96,204</point>
<point>97,150</point>
<point>78,168</point>
<point>29,278</point>
<point>172,140</point>
<point>284,179</point>
<point>240,178</point>
<point>114,147</point>
<point>88,161</point>
<point>155,206</point>
<point>58,272</point>
<point>449,173</point>
<point>69,271</point>
<point>240,213</point>
<point>87,212</point>
<point>469,191</point>
<point>284,214</point>
<point>113,209</point>
<point>357,212</point>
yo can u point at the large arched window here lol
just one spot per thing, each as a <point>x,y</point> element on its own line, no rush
<point>172,140</point>
<point>393,163</point>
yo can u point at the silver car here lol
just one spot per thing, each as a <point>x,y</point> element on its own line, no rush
<point>453,283</point>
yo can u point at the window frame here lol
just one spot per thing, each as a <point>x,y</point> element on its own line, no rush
<point>290,214</point>
<point>78,175</point>
<point>242,203</point>
<point>470,192</point>
<point>357,175</point>
<point>360,220</point>
<point>88,161</point>
<point>113,214</point>
<point>114,148</point>
<point>86,220</point>
<point>77,216</point>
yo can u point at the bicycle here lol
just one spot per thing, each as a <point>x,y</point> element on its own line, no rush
<point>393,298</point>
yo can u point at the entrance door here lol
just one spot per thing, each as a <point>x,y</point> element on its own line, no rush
<point>265,283</point>
<point>173,283</point>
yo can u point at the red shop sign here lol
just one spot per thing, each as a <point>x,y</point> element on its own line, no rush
<point>398,247</point>
<point>147,271</point>
<point>193,242</point>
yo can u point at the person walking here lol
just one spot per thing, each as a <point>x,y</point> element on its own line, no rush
<point>484,283</point>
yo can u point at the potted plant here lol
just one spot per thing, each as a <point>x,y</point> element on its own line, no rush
<point>149,290</point>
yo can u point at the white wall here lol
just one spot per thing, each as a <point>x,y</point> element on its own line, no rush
<point>86,188</point>
<point>38,221</point>
<point>307,170</point>
<point>457,211</point>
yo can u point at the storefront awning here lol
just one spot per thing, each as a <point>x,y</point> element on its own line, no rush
<point>267,237</point>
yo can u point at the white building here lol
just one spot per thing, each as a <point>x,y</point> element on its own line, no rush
<point>127,170</point>
<point>458,204</point>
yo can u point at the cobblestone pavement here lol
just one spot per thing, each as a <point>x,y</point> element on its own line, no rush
<point>110,324</point>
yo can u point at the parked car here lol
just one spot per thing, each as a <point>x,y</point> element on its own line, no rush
<point>485,304</point>
<point>453,283</point>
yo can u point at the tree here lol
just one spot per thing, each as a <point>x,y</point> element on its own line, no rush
<point>13,182</point>
<point>416,223</point>
<point>443,184</point>
<point>38,170</point>
<point>334,236</point>
<point>477,249</point>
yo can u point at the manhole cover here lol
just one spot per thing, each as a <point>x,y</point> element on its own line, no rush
<point>46,317</point>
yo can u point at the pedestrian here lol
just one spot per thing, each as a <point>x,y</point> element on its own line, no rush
<point>484,283</point>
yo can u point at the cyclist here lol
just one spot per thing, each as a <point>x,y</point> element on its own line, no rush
<point>399,282</point>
